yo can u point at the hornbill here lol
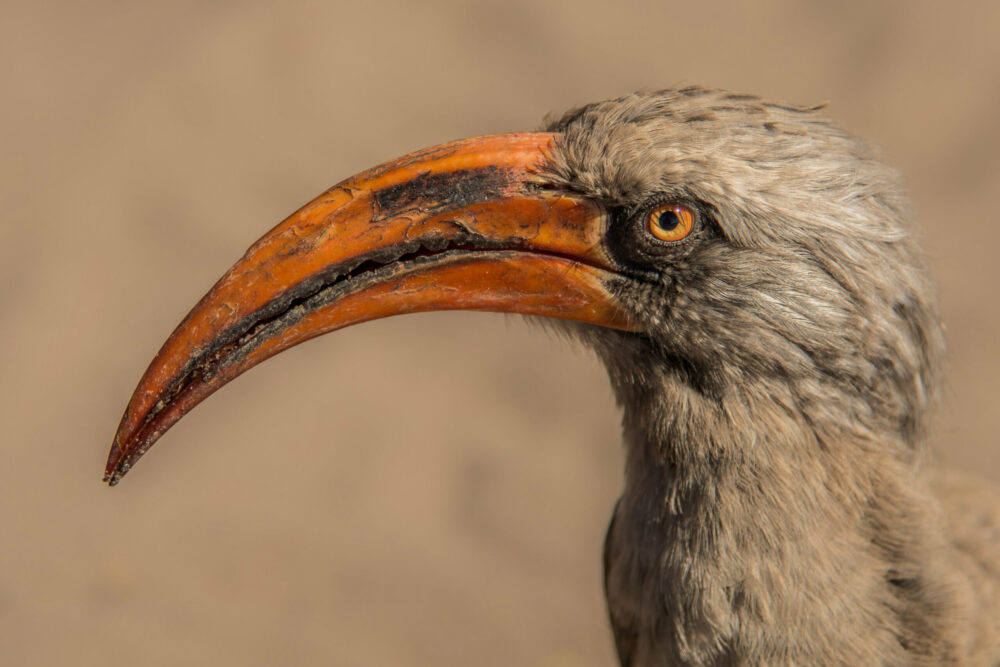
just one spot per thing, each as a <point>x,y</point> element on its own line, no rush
<point>746,272</point>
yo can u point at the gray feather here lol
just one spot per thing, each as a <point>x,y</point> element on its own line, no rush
<point>778,506</point>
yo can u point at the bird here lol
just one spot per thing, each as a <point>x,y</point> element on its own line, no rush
<point>749,275</point>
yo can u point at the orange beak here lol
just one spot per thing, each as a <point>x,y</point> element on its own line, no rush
<point>461,226</point>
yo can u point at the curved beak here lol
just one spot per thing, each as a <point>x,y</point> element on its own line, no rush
<point>461,226</point>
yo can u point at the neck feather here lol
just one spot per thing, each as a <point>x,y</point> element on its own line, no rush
<point>767,529</point>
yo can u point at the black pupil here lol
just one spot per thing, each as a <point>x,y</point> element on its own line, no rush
<point>668,220</point>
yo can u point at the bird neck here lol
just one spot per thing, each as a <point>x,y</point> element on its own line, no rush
<point>751,517</point>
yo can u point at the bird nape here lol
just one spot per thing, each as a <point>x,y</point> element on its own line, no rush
<point>746,271</point>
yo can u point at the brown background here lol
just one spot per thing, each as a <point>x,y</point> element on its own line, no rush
<point>429,490</point>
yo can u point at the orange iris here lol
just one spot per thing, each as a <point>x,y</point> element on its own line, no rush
<point>670,222</point>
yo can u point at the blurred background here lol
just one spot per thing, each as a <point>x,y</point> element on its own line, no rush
<point>428,490</point>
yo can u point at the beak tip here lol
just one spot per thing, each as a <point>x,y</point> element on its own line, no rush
<point>116,466</point>
<point>112,477</point>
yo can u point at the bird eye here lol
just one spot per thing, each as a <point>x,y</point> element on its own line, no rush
<point>670,222</point>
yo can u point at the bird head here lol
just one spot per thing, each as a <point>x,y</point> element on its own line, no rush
<point>799,280</point>
<point>710,246</point>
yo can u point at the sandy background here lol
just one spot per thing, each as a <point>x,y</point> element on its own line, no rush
<point>430,490</point>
